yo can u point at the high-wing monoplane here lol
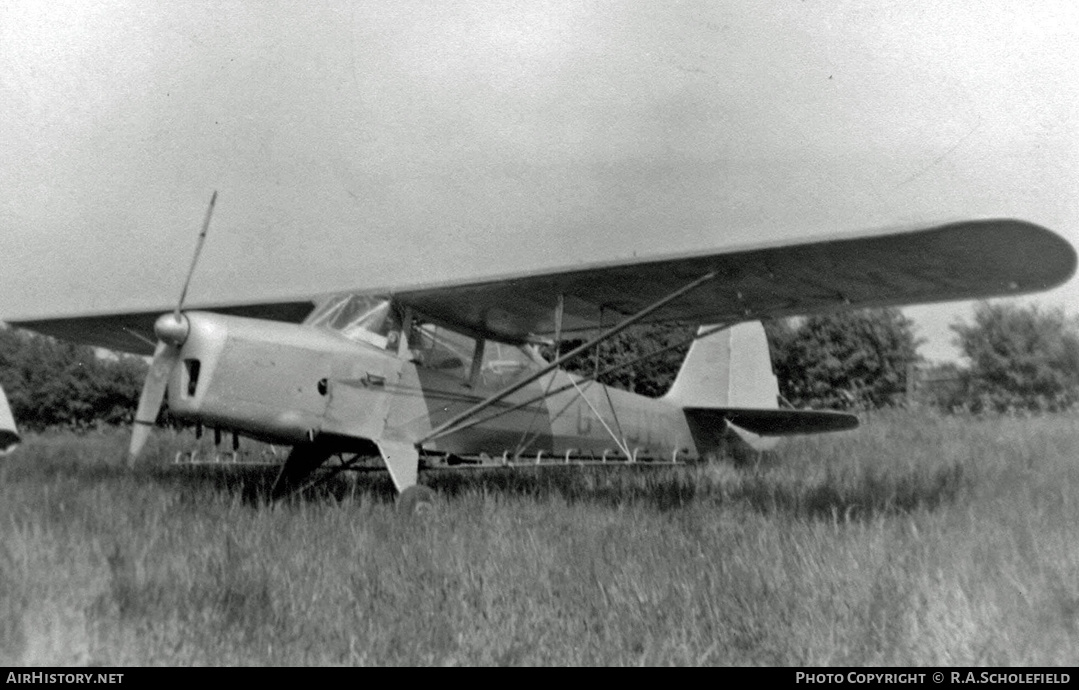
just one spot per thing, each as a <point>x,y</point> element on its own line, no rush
<point>454,371</point>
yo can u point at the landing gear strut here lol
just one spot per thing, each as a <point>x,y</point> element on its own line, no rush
<point>304,459</point>
<point>401,458</point>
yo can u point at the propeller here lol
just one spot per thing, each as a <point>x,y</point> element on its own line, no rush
<point>171,331</point>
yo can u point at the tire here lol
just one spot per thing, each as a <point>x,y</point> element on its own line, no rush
<point>416,500</point>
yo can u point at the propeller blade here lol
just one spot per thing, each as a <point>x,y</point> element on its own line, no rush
<point>198,250</point>
<point>166,355</point>
<point>171,334</point>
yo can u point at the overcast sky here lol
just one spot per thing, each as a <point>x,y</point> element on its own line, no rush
<point>369,144</point>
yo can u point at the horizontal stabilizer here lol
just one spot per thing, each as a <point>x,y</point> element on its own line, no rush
<point>772,422</point>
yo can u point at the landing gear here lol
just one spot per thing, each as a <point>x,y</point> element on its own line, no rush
<point>295,474</point>
<point>401,458</point>
<point>417,500</point>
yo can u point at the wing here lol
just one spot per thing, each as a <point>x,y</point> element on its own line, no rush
<point>134,331</point>
<point>963,260</point>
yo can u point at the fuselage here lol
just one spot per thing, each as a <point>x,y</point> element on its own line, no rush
<point>287,383</point>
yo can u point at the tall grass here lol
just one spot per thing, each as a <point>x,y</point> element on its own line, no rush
<point>914,540</point>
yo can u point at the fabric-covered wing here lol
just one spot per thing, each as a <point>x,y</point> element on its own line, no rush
<point>962,260</point>
<point>134,332</point>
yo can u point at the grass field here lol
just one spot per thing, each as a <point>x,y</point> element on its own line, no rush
<point>915,540</point>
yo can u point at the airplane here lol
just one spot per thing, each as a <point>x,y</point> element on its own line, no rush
<point>453,372</point>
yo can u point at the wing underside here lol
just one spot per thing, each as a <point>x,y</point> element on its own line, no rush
<point>966,260</point>
<point>954,261</point>
<point>134,331</point>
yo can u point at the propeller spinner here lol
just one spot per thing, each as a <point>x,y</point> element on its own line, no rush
<point>171,331</point>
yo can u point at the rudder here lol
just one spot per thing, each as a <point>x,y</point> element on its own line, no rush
<point>731,368</point>
<point>730,396</point>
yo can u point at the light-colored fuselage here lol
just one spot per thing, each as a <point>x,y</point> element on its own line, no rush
<point>287,383</point>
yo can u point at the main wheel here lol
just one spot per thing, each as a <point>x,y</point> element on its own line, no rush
<point>416,500</point>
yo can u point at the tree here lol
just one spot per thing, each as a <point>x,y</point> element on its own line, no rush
<point>652,377</point>
<point>1021,358</point>
<point>846,360</point>
<point>51,383</point>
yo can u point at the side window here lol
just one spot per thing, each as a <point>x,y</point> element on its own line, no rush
<point>502,363</point>
<point>448,352</point>
<point>442,350</point>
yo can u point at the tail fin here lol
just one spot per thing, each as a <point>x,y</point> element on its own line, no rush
<point>729,369</point>
<point>729,394</point>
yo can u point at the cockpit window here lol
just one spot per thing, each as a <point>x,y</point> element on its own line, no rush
<point>366,318</point>
<point>377,321</point>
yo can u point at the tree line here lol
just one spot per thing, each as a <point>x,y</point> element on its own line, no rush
<point>51,383</point>
<point>1018,359</point>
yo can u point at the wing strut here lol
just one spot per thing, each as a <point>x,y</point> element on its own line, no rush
<point>558,309</point>
<point>619,439</point>
<point>587,381</point>
<point>610,332</point>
